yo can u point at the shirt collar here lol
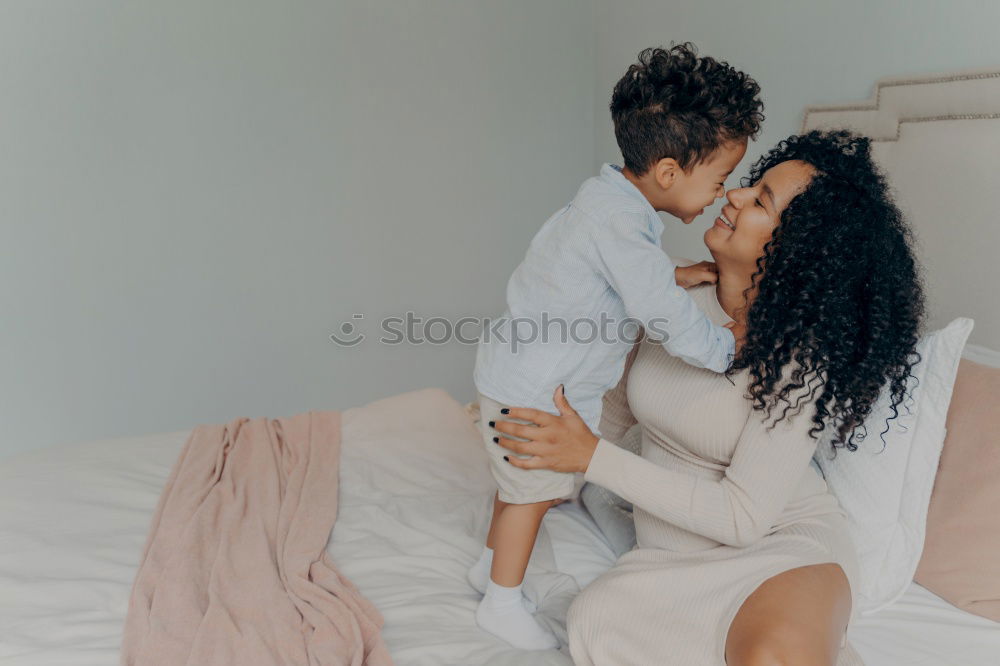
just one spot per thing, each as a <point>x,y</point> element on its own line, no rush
<point>612,173</point>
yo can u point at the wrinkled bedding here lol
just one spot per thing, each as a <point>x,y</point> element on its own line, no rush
<point>414,509</point>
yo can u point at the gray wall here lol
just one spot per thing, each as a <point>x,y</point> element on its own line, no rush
<point>194,195</point>
<point>801,53</point>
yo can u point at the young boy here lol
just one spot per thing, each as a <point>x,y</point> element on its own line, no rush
<point>682,123</point>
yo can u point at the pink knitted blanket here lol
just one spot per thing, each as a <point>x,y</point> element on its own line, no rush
<point>235,569</point>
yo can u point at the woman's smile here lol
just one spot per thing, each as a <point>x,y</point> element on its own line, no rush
<point>724,222</point>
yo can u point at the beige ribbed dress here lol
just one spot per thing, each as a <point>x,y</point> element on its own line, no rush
<point>721,505</point>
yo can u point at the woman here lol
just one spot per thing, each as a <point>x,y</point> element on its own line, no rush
<point>743,555</point>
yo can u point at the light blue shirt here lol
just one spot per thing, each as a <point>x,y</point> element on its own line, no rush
<point>598,257</point>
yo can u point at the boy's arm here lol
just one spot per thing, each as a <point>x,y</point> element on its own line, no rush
<point>643,276</point>
<point>695,274</point>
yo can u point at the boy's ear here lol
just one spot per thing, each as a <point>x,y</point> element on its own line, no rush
<point>666,171</point>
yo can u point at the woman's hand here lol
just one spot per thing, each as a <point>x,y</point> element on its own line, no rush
<point>561,443</point>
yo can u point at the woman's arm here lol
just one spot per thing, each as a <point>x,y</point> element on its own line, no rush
<point>737,509</point>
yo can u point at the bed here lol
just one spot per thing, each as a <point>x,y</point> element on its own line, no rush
<point>73,520</point>
<point>415,495</point>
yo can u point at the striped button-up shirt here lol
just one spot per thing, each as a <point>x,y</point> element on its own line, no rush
<point>592,274</point>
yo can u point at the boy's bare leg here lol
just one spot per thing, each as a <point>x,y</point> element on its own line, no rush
<point>498,507</point>
<point>504,610</point>
<point>514,530</point>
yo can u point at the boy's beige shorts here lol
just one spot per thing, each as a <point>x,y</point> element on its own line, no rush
<point>516,485</point>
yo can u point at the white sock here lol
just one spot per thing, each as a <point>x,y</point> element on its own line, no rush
<point>502,613</point>
<point>479,576</point>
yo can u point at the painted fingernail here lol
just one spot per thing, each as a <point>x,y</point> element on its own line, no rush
<point>507,458</point>
<point>505,411</point>
<point>496,439</point>
<point>493,424</point>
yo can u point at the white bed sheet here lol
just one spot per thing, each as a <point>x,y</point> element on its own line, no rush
<point>74,519</point>
<point>922,629</point>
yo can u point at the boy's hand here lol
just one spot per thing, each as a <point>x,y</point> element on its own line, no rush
<point>703,271</point>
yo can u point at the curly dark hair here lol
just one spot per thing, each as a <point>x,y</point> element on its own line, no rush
<point>674,104</point>
<point>837,292</point>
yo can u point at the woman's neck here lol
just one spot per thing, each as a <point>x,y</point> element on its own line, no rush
<point>730,288</point>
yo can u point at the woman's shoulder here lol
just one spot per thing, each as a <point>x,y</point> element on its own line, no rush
<point>707,300</point>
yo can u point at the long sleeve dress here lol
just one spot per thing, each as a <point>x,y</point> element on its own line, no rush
<point>721,504</point>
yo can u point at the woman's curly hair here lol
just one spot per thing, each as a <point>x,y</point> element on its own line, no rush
<point>838,292</point>
<point>673,103</point>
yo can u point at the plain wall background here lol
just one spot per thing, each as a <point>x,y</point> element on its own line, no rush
<point>194,195</point>
<point>801,53</point>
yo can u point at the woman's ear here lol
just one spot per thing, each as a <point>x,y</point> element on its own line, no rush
<point>665,172</point>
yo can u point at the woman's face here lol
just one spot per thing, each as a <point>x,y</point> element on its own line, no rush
<point>754,212</point>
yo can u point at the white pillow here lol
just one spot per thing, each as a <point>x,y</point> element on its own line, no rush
<point>886,492</point>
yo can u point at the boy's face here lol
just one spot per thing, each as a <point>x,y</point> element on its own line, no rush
<point>690,193</point>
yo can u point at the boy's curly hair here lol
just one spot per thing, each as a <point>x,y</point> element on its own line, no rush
<point>674,104</point>
<point>839,297</point>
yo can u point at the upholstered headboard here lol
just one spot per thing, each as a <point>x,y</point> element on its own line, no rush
<point>938,140</point>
